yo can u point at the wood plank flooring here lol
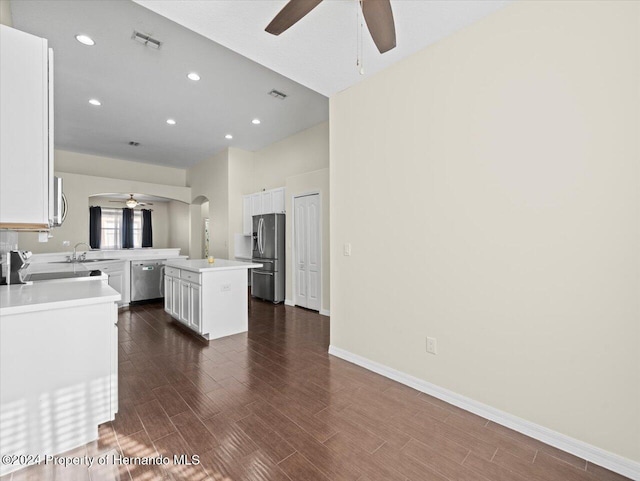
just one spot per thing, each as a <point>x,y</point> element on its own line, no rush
<point>271,404</point>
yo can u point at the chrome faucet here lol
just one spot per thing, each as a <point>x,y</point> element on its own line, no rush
<point>74,257</point>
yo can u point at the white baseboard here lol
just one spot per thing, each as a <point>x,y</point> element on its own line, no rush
<point>591,453</point>
<point>288,302</point>
<point>324,312</point>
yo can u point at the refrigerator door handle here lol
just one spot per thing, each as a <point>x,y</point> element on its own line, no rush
<point>261,226</point>
<point>259,235</point>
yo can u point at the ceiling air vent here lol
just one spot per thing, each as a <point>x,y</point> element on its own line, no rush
<point>277,94</point>
<point>146,40</point>
<point>133,143</point>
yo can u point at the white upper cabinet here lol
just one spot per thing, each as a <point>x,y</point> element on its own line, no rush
<point>265,202</point>
<point>26,131</point>
<point>278,200</point>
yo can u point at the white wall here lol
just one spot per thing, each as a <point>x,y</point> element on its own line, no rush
<point>490,188</point>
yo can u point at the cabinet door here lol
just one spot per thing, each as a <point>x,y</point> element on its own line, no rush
<point>256,204</point>
<point>267,202</point>
<point>116,280</point>
<point>278,200</point>
<point>246,215</point>
<point>24,131</point>
<point>185,311</point>
<point>194,304</point>
<point>175,298</point>
<point>168,291</point>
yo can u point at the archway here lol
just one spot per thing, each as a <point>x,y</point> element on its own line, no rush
<point>200,239</point>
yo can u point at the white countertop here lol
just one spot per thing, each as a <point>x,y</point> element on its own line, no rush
<point>119,254</point>
<point>41,296</point>
<point>202,265</point>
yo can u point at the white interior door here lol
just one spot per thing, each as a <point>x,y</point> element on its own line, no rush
<point>307,251</point>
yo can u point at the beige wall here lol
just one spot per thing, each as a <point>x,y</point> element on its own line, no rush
<point>178,213</point>
<point>306,151</point>
<point>241,182</point>
<point>78,186</point>
<point>87,164</point>
<point>300,163</point>
<point>5,13</point>
<point>490,188</point>
<point>209,180</point>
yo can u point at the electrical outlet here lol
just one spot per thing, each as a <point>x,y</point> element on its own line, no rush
<point>225,287</point>
<point>347,249</point>
<point>66,243</point>
<point>432,345</point>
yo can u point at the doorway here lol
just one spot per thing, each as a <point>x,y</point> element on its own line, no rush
<point>307,251</point>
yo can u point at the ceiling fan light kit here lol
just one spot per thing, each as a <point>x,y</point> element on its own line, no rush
<point>377,14</point>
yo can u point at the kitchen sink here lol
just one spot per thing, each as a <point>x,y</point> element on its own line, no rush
<point>85,261</point>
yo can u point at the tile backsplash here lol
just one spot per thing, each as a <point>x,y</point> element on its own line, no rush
<point>8,241</point>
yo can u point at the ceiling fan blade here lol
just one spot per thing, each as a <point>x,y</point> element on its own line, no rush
<point>290,14</point>
<point>379,18</point>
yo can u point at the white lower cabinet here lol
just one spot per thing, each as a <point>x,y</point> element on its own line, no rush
<point>119,274</point>
<point>183,302</point>
<point>195,308</point>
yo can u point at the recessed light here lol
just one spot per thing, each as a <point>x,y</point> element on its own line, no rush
<point>228,136</point>
<point>85,40</point>
<point>171,122</point>
<point>193,76</point>
<point>255,121</point>
<point>95,102</point>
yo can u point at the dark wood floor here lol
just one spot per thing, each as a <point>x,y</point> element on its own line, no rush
<point>271,404</point>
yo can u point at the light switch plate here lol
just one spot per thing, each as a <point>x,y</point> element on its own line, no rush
<point>347,249</point>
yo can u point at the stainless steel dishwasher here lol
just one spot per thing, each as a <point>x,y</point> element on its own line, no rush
<point>147,280</point>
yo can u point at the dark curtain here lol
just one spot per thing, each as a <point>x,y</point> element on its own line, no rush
<point>127,228</point>
<point>95,227</point>
<point>147,230</point>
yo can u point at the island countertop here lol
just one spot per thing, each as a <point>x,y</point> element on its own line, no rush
<point>202,265</point>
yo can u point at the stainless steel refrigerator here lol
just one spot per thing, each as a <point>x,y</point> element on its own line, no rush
<point>267,282</point>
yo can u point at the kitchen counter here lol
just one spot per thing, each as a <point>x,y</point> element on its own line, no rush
<point>202,265</point>
<point>58,366</point>
<point>210,299</point>
<point>42,296</point>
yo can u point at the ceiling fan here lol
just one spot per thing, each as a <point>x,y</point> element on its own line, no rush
<point>131,202</point>
<point>377,14</point>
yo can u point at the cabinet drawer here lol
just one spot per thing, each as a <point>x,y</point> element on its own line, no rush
<point>190,276</point>
<point>118,266</point>
<point>172,271</point>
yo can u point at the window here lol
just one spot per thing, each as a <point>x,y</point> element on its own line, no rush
<point>111,237</point>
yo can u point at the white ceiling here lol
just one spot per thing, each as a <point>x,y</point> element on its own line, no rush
<point>140,88</point>
<point>320,50</point>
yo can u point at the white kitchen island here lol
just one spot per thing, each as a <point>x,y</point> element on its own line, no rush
<point>58,367</point>
<point>210,299</point>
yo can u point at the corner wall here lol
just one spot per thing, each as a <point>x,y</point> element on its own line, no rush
<point>490,188</point>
